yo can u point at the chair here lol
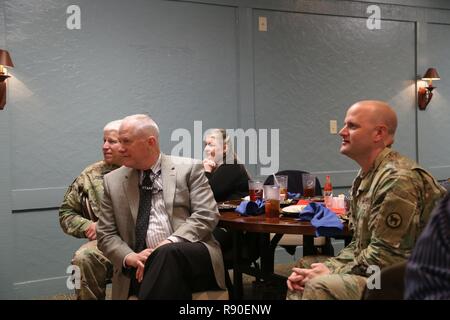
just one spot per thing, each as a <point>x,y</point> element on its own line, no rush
<point>290,241</point>
<point>392,284</point>
<point>248,253</point>
<point>295,182</point>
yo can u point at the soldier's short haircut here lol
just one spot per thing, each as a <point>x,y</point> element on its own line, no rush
<point>113,126</point>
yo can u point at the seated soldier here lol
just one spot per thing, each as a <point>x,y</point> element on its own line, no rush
<point>392,198</point>
<point>79,213</point>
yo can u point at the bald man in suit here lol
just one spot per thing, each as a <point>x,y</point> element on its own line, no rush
<point>179,255</point>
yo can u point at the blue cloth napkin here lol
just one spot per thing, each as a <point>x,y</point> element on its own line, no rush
<point>250,208</point>
<point>325,221</point>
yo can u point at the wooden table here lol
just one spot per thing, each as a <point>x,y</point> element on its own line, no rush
<point>285,225</point>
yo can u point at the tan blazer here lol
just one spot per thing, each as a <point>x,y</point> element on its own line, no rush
<point>189,203</point>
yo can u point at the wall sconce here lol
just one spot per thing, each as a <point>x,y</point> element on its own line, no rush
<point>5,61</point>
<point>425,93</point>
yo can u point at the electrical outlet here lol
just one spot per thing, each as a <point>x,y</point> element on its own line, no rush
<point>333,126</point>
<point>262,24</point>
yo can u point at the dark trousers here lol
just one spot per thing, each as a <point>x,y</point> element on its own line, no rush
<point>174,271</point>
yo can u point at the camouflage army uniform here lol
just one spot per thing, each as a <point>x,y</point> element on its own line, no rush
<point>81,207</point>
<point>389,208</point>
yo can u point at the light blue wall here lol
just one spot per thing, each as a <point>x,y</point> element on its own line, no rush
<point>309,68</point>
<point>175,60</point>
<point>434,124</point>
<point>183,61</point>
<point>6,238</point>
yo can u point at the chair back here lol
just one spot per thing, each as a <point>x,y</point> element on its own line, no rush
<point>295,182</point>
<point>392,281</point>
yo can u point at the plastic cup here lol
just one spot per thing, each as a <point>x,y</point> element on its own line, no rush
<point>272,202</point>
<point>338,205</point>
<point>283,184</point>
<point>309,185</point>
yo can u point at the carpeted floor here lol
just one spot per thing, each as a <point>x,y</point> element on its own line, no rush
<point>273,290</point>
<point>252,290</point>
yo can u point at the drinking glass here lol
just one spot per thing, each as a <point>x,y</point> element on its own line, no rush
<point>309,185</point>
<point>282,182</point>
<point>272,202</point>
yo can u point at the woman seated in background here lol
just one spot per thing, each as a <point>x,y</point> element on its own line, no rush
<point>227,177</point>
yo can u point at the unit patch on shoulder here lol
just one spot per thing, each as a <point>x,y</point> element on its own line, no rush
<point>394,220</point>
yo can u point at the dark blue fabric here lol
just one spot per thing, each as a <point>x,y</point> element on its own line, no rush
<point>250,208</point>
<point>325,221</point>
<point>427,274</point>
<point>308,212</point>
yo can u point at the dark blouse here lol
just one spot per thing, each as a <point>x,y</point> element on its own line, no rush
<point>228,182</point>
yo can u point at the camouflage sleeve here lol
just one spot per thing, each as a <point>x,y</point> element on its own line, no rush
<point>70,213</point>
<point>393,224</point>
<point>345,256</point>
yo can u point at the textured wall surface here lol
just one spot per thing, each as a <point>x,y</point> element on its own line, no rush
<point>434,123</point>
<point>175,61</point>
<point>6,239</point>
<point>41,253</point>
<point>310,68</point>
<point>183,61</point>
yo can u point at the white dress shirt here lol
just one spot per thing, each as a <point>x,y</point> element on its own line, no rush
<point>159,227</point>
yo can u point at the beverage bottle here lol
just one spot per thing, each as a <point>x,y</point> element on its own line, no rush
<point>328,192</point>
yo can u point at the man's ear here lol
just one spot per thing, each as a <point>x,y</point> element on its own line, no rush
<point>380,133</point>
<point>151,141</point>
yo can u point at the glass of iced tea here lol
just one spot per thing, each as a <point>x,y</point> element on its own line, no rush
<point>255,189</point>
<point>282,182</point>
<point>309,185</point>
<point>272,202</point>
